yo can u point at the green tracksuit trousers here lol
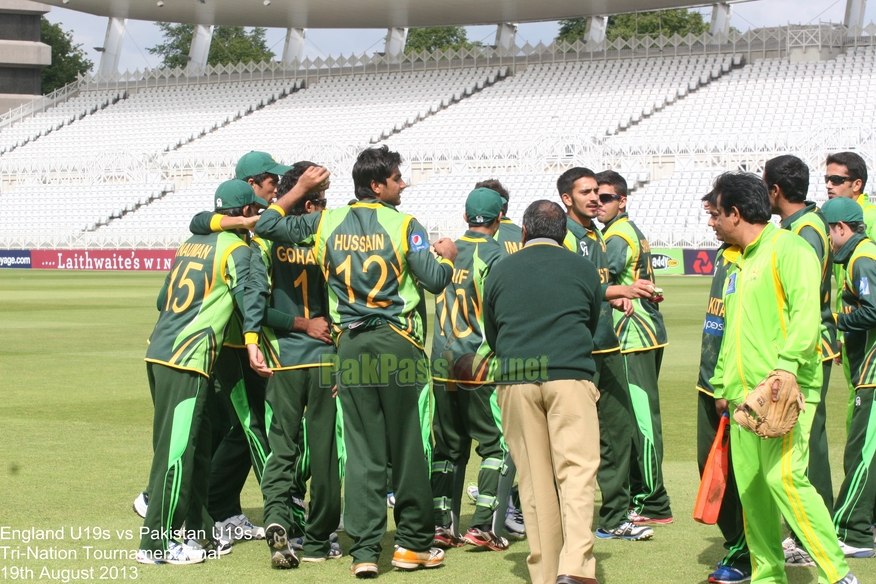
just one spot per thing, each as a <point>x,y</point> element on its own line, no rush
<point>819,453</point>
<point>646,475</point>
<point>181,457</point>
<point>463,413</point>
<point>853,514</point>
<point>772,483</point>
<point>730,517</point>
<point>245,390</point>
<point>385,404</point>
<point>294,395</point>
<point>615,414</point>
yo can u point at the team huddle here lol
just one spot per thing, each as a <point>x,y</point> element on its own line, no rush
<point>291,339</point>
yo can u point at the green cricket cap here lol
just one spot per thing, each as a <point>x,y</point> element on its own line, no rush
<point>253,163</point>
<point>842,209</point>
<point>483,206</point>
<point>235,193</point>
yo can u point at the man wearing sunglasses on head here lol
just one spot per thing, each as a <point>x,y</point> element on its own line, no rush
<point>642,337</point>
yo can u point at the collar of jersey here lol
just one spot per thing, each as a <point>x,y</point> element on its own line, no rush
<point>371,204</point>
<point>810,206</point>
<point>620,217</point>
<point>844,254</point>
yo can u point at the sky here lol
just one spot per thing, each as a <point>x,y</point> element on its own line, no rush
<point>90,31</point>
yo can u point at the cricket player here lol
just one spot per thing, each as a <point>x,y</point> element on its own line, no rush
<point>465,403</point>
<point>772,322</point>
<point>736,564</point>
<point>787,180</point>
<point>372,257</point>
<point>642,337</point>
<point>856,253</point>
<point>510,235</point>
<point>578,191</point>
<point>205,282</point>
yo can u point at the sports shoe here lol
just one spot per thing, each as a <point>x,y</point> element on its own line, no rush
<point>727,575</point>
<point>854,552</point>
<point>626,530</point>
<point>141,503</point>
<point>216,547</point>
<point>282,554</point>
<point>298,542</point>
<point>335,553</point>
<point>485,539</point>
<point>405,559</point>
<point>472,492</point>
<point>794,554</point>
<point>390,500</point>
<point>514,522</point>
<point>239,527</point>
<point>445,538</point>
<point>849,579</point>
<point>364,570</point>
<point>176,554</point>
<point>642,520</point>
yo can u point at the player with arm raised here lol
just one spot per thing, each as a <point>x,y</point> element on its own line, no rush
<point>372,257</point>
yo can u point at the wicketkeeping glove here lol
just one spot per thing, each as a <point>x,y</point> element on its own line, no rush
<point>768,418</point>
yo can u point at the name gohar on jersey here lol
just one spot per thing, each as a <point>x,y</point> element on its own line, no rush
<point>296,255</point>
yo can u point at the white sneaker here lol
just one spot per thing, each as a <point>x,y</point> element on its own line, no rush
<point>627,530</point>
<point>218,547</point>
<point>176,553</point>
<point>297,544</point>
<point>472,492</point>
<point>514,522</point>
<point>794,554</point>
<point>239,527</point>
<point>390,500</point>
<point>854,552</point>
<point>849,579</point>
<point>335,553</point>
<point>141,503</point>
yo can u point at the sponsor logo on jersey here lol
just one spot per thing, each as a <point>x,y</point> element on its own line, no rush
<point>585,251</point>
<point>418,242</point>
<point>863,286</point>
<point>661,261</point>
<point>714,326</point>
<point>857,401</point>
<point>731,283</point>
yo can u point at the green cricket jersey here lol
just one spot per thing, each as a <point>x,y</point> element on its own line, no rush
<point>858,316</point>
<point>509,236</point>
<point>588,242</point>
<point>870,221</point>
<point>810,224</point>
<point>372,257</point>
<point>713,327</point>
<point>629,259</point>
<point>459,315</point>
<point>772,317</point>
<point>207,272</point>
<point>291,277</point>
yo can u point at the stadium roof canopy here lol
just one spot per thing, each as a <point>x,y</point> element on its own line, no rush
<point>359,13</point>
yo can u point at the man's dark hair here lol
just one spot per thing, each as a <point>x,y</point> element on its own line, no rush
<point>545,219</point>
<point>854,164</point>
<point>373,165</point>
<point>566,182</point>
<point>856,226</point>
<point>496,186</point>
<point>711,198</point>
<point>745,191</point>
<point>610,177</point>
<point>288,182</point>
<point>790,174</point>
<point>262,177</point>
<point>235,212</point>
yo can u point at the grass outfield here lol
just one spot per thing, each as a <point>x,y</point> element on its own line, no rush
<point>75,447</point>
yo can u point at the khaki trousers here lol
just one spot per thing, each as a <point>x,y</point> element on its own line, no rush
<point>552,431</point>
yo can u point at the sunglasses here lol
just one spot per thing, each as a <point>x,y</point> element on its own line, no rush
<point>836,179</point>
<point>608,198</point>
<point>320,202</point>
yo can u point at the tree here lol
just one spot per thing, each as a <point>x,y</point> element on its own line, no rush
<point>667,22</point>
<point>571,30</point>
<point>432,38</point>
<point>230,44</point>
<point>68,60</point>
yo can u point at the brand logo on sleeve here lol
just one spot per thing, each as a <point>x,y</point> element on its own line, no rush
<point>418,242</point>
<point>863,286</point>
